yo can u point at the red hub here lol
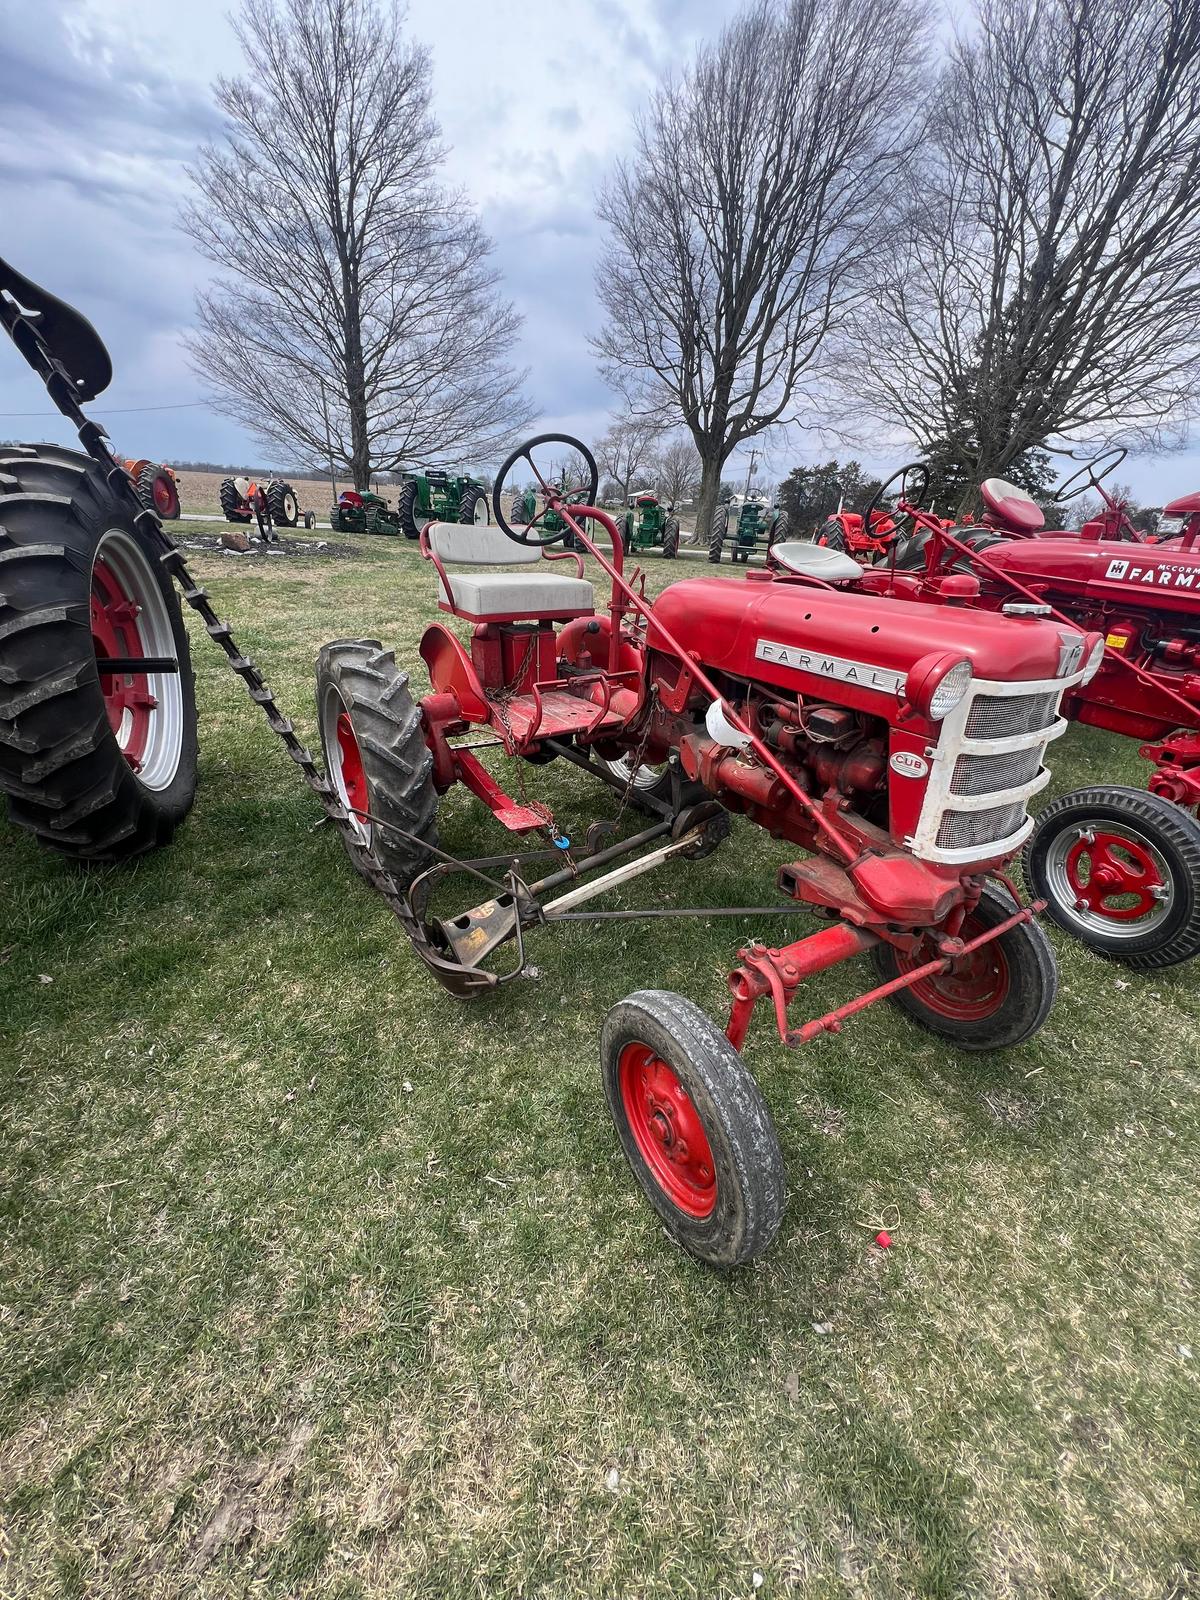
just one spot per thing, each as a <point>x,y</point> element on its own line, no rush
<point>1102,867</point>
<point>975,986</point>
<point>354,779</point>
<point>115,632</point>
<point>667,1129</point>
<point>165,502</point>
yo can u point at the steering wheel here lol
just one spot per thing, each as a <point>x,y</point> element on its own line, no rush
<point>881,493</point>
<point>564,495</point>
<point>1108,461</point>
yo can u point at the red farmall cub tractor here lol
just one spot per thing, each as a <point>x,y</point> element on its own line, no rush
<point>1119,867</point>
<point>898,752</point>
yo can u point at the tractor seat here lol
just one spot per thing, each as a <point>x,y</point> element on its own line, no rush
<point>501,596</point>
<point>816,561</point>
<point>1011,506</point>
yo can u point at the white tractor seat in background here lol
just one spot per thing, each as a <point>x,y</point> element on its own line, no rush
<point>502,594</point>
<point>816,561</point>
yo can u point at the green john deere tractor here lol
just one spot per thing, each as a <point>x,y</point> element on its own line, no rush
<point>432,495</point>
<point>648,524</point>
<point>525,508</point>
<point>363,513</point>
<point>746,524</point>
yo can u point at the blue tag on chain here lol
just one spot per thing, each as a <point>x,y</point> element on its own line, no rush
<point>560,841</point>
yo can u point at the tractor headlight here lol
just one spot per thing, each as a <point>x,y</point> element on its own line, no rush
<point>1095,659</point>
<point>937,684</point>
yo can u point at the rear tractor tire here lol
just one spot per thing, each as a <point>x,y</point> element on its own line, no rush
<point>157,491</point>
<point>1120,870</point>
<point>97,766</point>
<point>408,509</point>
<point>375,754</point>
<point>233,507</point>
<point>693,1127</point>
<point>283,505</point>
<point>994,998</point>
<point>670,544</point>
<point>778,531</point>
<point>716,533</point>
<point>473,507</point>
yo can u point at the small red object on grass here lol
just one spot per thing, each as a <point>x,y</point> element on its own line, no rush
<point>883,1239</point>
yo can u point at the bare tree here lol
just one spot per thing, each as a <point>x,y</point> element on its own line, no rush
<point>740,224</point>
<point>358,316</point>
<point>625,451</point>
<point>677,469</point>
<point>1045,286</point>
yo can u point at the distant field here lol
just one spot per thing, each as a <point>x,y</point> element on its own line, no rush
<point>201,491</point>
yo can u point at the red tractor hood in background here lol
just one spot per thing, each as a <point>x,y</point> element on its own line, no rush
<point>732,626</point>
<point>1103,571</point>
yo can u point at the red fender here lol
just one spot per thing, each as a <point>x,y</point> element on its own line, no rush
<point>451,672</point>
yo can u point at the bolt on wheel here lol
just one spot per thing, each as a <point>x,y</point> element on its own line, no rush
<point>1120,870</point>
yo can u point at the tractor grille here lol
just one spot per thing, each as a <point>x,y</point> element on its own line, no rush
<point>961,830</point>
<point>989,774</point>
<point>994,716</point>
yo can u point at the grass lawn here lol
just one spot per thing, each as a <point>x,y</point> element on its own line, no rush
<point>317,1282</point>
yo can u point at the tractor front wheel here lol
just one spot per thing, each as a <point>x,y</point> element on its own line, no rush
<point>716,533</point>
<point>375,754</point>
<point>992,999</point>
<point>98,760</point>
<point>693,1127</point>
<point>1120,869</point>
<point>408,509</point>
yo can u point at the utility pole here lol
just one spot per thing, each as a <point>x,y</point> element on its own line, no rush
<point>750,472</point>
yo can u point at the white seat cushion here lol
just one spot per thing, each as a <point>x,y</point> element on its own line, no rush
<point>478,545</point>
<point>816,561</point>
<point>515,594</point>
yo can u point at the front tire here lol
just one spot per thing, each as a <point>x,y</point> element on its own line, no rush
<point>1120,869</point>
<point>716,532</point>
<point>693,1127</point>
<point>993,999</point>
<point>98,768</point>
<point>375,754</point>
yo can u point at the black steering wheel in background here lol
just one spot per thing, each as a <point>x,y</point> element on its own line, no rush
<point>567,495</point>
<point>1089,475</point>
<point>916,498</point>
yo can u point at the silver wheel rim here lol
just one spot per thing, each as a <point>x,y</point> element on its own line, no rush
<point>1062,892</point>
<point>480,514</point>
<point>124,558</point>
<point>643,778</point>
<point>332,706</point>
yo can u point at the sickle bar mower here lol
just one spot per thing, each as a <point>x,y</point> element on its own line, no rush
<point>901,759</point>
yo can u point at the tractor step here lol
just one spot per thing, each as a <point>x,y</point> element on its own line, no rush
<point>554,714</point>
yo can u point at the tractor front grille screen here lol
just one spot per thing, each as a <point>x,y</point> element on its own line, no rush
<point>961,830</point>
<point>996,716</point>
<point>990,774</point>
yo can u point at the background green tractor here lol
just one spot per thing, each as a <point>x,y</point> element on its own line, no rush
<point>525,507</point>
<point>432,495</point>
<point>648,523</point>
<point>363,513</point>
<point>746,523</point>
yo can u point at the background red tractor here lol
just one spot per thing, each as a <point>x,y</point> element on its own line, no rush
<point>237,501</point>
<point>898,752</point>
<point>157,487</point>
<point>1119,867</point>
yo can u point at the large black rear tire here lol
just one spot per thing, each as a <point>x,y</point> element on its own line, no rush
<point>285,508</point>
<point>375,753</point>
<point>473,502</point>
<point>716,532</point>
<point>157,491</point>
<point>89,768</point>
<point>670,544</point>
<point>408,509</point>
<point>233,507</point>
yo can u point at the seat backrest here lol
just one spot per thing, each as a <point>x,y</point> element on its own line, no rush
<point>816,561</point>
<point>469,544</point>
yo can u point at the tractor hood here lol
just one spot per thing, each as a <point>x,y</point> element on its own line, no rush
<point>785,633</point>
<point>1154,576</point>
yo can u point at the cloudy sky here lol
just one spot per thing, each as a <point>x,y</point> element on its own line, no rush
<point>103,102</point>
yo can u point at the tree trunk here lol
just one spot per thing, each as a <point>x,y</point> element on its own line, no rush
<point>710,488</point>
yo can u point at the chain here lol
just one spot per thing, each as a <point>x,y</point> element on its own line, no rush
<point>635,764</point>
<point>95,442</point>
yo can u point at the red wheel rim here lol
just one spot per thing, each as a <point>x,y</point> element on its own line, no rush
<point>115,632</point>
<point>1101,867</point>
<point>667,1130</point>
<point>354,779</point>
<point>974,988</point>
<point>164,496</point>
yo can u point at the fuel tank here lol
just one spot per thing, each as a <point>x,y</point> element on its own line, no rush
<point>860,646</point>
<point>1104,572</point>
